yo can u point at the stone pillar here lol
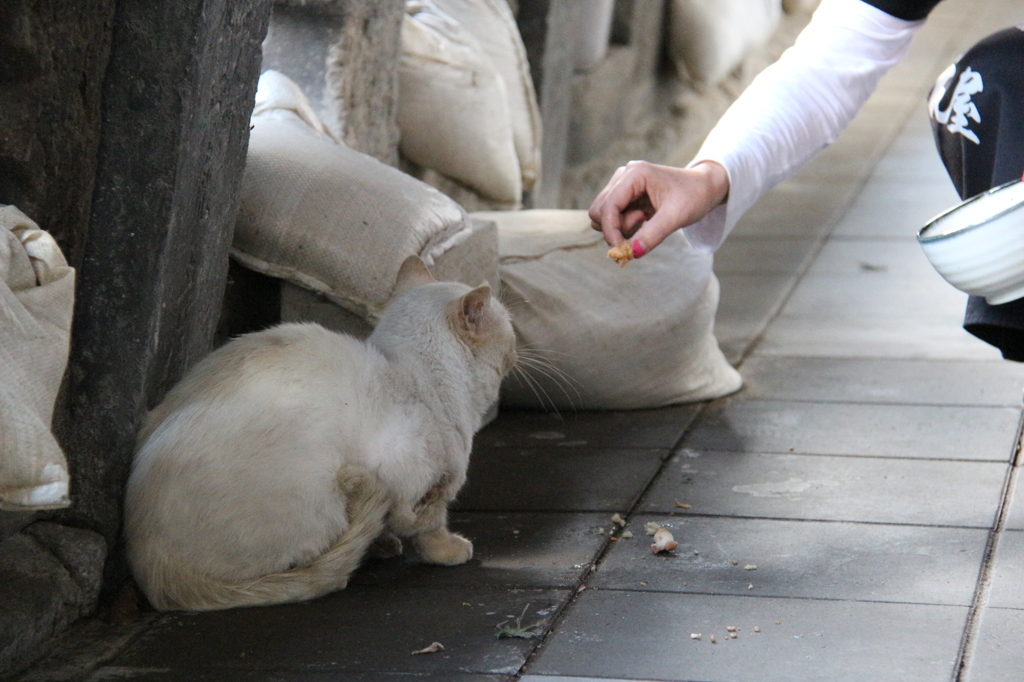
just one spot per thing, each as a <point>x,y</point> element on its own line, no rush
<point>619,92</point>
<point>344,55</point>
<point>176,102</point>
<point>134,164</point>
<point>53,56</point>
<point>547,28</point>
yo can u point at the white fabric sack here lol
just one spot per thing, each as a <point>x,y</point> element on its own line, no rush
<point>279,97</point>
<point>323,216</point>
<point>641,336</point>
<point>453,106</point>
<point>493,25</point>
<point>707,39</point>
<point>37,293</point>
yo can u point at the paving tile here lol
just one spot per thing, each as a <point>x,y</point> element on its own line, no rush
<point>907,75</point>
<point>558,479</point>
<point>924,492</point>
<point>805,206</point>
<point>891,217</point>
<point>1007,581</point>
<point>875,337</point>
<point>511,550</point>
<point>561,678</point>
<point>922,382</point>
<point>110,673</point>
<point>750,300</point>
<point>642,635</point>
<point>912,169</point>
<point>87,645</point>
<point>994,17</point>
<point>860,146</point>
<point>368,631</point>
<point>660,428</point>
<point>1015,513</point>
<point>762,256</point>
<point>825,299</point>
<point>747,304</point>
<point>924,431</point>
<point>864,257</point>
<point>866,562</point>
<point>997,655</point>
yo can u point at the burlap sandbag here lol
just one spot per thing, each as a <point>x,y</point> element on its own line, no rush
<point>709,38</point>
<point>37,290</point>
<point>453,106</point>
<point>328,218</point>
<point>617,338</point>
<point>495,28</point>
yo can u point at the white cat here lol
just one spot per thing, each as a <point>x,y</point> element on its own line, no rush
<point>267,473</point>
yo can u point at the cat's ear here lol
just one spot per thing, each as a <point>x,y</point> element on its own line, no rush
<point>471,310</point>
<point>412,274</point>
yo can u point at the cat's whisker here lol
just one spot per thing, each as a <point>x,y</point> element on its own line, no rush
<point>537,356</point>
<point>539,352</point>
<point>555,379</point>
<point>531,359</point>
<point>506,297</point>
<point>535,388</point>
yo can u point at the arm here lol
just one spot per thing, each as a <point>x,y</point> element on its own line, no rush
<point>791,111</point>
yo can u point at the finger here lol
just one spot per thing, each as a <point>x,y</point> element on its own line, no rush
<point>598,202</point>
<point>630,187</point>
<point>612,232</point>
<point>653,232</point>
<point>631,221</point>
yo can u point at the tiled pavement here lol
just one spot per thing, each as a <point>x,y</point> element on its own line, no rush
<point>866,470</point>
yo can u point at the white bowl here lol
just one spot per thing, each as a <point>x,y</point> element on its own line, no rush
<point>978,245</point>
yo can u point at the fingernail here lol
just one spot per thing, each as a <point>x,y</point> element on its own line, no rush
<point>638,248</point>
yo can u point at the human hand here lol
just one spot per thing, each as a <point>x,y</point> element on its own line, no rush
<point>647,202</point>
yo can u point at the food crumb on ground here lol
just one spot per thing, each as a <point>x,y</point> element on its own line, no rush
<point>663,542</point>
<point>432,649</point>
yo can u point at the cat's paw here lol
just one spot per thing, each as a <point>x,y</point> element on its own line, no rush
<point>386,546</point>
<point>443,547</point>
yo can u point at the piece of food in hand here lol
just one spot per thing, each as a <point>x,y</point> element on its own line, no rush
<point>663,541</point>
<point>621,254</point>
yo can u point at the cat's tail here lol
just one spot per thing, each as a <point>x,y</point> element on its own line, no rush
<point>367,506</point>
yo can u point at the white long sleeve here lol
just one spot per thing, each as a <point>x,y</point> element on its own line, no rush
<point>799,105</point>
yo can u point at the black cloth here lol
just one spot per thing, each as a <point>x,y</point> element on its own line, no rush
<point>977,115</point>
<point>979,120</point>
<point>910,10</point>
